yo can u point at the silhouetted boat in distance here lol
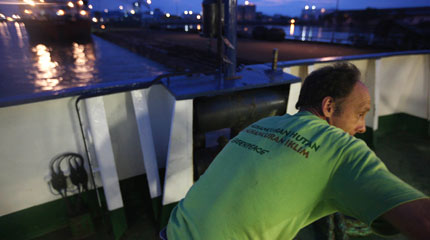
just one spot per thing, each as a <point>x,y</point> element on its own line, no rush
<point>57,20</point>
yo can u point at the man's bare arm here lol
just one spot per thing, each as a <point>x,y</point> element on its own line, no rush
<point>412,219</point>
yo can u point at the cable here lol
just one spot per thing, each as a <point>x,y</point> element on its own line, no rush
<point>87,151</point>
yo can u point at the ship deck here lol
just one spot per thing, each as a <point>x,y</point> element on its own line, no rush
<point>406,154</point>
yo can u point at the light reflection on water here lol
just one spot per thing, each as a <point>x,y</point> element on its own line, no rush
<point>47,75</point>
<point>28,67</point>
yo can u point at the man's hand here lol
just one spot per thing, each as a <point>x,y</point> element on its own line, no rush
<point>412,219</point>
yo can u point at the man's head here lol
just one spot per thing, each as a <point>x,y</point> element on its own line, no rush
<point>336,94</point>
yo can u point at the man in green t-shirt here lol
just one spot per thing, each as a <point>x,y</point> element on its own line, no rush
<point>282,173</point>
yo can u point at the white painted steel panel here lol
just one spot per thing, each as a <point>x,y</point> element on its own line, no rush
<point>146,141</point>
<point>403,85</point>
<point>104,153</point>
<point>123,132</point>
<point>179,169</point>
<point>160,107</point>
<point>30,136</point>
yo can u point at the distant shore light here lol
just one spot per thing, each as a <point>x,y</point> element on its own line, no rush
<point>27,11</point>
<point>306,7</point>
<point>168,15</point>
<point>83,12</point>
<point>103,27</point>
<point>132,11</point>
<point>148,1</point>
<point>60,12</point>
<point>30,2</point>
<point>70,5</point>
<point>190,12</point>
<point>246,2</point>
<point>313,7</point>
<point>322,10</point>
<point>292,21</point>
<point>80,2</point>
<point>106,11</point>
<point>186,12</point>
<point>94,19</point>
<point>121,7</point>
<point>90,6</point>
<point>198,17</point>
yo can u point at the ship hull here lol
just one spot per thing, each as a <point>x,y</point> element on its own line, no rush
<point>58,30</point>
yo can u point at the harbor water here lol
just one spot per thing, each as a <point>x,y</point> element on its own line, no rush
<point>28,66</point>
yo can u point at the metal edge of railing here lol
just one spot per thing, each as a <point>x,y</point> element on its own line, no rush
<point>127,85</point>
<point>92,90</point>
<point>311,61</point>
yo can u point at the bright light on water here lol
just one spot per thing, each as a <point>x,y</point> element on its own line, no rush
<point>46,76</point>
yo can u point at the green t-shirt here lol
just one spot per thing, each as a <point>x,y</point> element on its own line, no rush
<point>283,173</point>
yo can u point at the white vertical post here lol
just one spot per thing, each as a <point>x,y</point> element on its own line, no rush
<point>100,136</point>
<point>293,95</point>
<point>143,121</point>
<point>427,81</point>
<point>376,92</point>
<point>369,79</point>
<point>179,168</point>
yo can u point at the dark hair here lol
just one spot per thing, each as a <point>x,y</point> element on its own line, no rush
<point>336,81</point>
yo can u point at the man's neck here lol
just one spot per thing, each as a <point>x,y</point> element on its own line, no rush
<point>314,112</point>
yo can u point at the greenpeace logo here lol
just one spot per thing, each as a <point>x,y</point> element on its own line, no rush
<point>250,146</point>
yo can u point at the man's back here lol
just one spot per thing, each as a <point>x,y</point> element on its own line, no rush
<point>279,175</point>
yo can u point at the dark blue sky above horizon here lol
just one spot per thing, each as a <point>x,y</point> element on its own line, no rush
<point>269,7</point>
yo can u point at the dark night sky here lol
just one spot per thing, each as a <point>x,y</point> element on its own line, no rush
<point>270,7</point>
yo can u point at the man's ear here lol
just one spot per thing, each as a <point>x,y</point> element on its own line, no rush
<point>328,107</point>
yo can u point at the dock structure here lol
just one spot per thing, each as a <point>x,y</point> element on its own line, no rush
<point>184,51</point>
